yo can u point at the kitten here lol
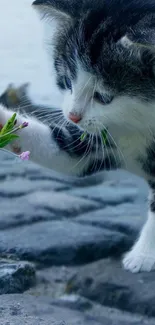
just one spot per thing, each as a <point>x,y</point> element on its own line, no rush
<point>105,64</point>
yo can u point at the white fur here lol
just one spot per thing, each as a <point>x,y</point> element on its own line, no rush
<point>142,255</point>
<point>124,115</point>
<point>130,121</point>
<point>37,139</point>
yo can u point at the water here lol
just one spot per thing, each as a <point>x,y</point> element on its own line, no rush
<point>22,52</point>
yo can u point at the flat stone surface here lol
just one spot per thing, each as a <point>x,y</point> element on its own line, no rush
<point>62,242</point>
<point>60,202</point>
<point>16,277</point>
<point>43,205</point>
<point>30,310</point>
<point>112,193</point>
<point>126,218</point>
<point>19,187</point>
<point>107,283</point>
<point>16,212</point>
<point>107,195</point>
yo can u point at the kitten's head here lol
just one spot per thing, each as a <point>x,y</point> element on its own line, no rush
<point>108,78</point>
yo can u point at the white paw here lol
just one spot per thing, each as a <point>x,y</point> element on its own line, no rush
<point>138,261</point>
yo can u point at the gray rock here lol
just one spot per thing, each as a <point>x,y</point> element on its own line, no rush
<point>125,178</point>
<point>126,218</point>
<point>51,281</point>
<point>60,202</point>
<point>31,310</point>
<point>40,311</point>
<point>39,205</point>
<point>16,277</point>
<point>107,283</point>
<point>110,194</point>
<point>12,188</point>
<point>16,212</point>
<point>106,195</point>
<point>29,321</point>
<point>74,302</point>
<point>9,170</point>
<point>62,242</point>
<point>65,179</point>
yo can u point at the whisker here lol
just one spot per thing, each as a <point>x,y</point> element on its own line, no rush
<point>117,147</point>
<point>90,144</point>
<point>96,150</point>
<point>111,149</point>
<point>84,156</point>
<point>83,88</point>
<point>103,155</point>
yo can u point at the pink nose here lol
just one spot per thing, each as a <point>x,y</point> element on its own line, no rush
<point>74,118</point>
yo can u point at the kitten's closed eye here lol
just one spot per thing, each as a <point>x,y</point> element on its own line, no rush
<point>64,83</point>
<point>68,83</point>
<point>103,99</point>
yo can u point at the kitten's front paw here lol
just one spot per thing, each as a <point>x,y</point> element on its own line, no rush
<point>138,261</point>
<point>13,96</point>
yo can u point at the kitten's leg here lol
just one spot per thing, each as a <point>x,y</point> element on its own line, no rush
<point>18,99</point>
<point>13,96</point>
<point>59,148</point>
<point>142,255</point>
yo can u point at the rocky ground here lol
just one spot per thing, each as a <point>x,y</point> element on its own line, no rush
<point>61,242</point>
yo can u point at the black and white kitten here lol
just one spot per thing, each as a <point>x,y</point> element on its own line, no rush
<point>105,64</point>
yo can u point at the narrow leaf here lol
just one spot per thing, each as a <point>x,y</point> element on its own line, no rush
<point>83,136</point>
<point>104,136</point>
<point>5,140</point>
<point>9,125</point>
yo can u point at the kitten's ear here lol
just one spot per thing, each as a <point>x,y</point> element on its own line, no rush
<point>59,10</point>
<point>144,31</point>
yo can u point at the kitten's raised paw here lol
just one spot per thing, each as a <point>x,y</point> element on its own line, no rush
<point>136,261</point>
<point>13,96</point>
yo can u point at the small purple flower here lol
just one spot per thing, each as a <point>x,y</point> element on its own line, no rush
<point>25,155</point>
<point>25,124</point>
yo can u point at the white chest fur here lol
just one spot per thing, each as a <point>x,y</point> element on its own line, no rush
<point>133,147</point>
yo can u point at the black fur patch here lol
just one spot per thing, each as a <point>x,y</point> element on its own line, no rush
<point>149,164</point>
<point>108,163</point>
<point>69,143</point>
<point>93,39</point>
<point>69,140</point>
<point>152,200</point>
<point>113,7</point>
<point>4,100</point>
